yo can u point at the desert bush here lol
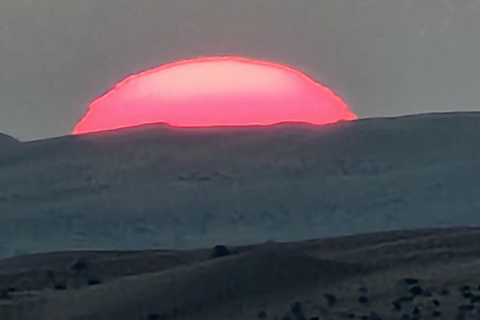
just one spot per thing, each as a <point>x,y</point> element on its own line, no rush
<point>94,281</point>
<point>60,286</point>
<point>220,251</point>
<point>4,295</point>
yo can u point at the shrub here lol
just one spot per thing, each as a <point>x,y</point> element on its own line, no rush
<point>4,295</point>
<point>79,266</point>
<point>220,251</point>
<point>94,281</point>
<point>60,286</point>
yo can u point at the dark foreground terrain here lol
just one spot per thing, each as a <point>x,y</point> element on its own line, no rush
<point>412,274</point>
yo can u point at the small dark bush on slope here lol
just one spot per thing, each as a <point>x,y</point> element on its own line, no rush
<point>79,266</point>
<point>220,251</point>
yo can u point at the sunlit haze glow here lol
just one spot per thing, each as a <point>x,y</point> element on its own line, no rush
<point>215,91</point>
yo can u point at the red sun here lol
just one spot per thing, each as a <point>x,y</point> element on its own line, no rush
<point>215,91</point>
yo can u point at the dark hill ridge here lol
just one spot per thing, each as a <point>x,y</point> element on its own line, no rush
<point>157,186</point>
<point>10,150</point>
<point>449,136</point>
<point>6,139</point>
<point>7,144</point>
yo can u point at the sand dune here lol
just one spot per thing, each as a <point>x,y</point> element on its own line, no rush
<point>265,277</point>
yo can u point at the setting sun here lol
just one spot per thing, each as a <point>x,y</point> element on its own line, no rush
<point>215,91</point>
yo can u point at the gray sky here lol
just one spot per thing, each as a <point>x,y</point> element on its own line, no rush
<point>384,57</point>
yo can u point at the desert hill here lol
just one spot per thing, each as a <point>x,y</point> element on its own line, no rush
<point>378,275</point>
<point>157,186</point>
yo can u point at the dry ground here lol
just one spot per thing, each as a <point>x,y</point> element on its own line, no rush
<point>265,281</point>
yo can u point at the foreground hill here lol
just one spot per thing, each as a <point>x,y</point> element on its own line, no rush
<point>379,276</point>
<point>173,188</point>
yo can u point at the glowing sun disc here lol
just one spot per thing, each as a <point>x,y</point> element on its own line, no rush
<point>215,91</point>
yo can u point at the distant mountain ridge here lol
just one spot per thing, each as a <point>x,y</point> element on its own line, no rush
<point>7,140</point>
<point>158,186</point>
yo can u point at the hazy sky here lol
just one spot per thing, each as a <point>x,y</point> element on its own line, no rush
<point>384,57</point>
